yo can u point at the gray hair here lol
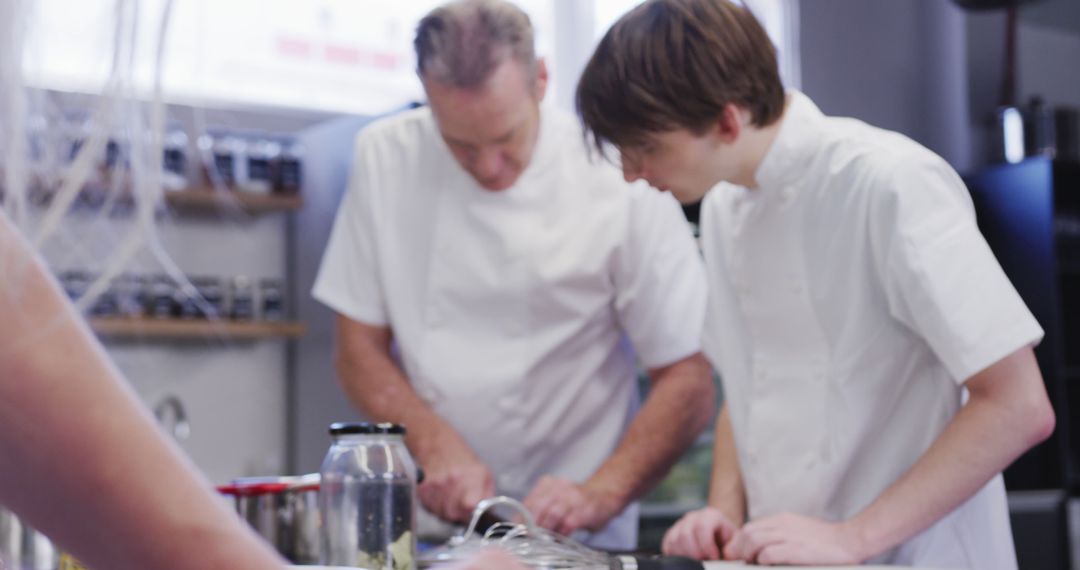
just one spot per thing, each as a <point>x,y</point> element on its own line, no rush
<point>461,43</point>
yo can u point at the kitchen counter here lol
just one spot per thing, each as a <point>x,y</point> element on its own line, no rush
<point>723,565</point>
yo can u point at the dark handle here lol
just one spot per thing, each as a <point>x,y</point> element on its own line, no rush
<point>658,562</point>
<point>487,520</point>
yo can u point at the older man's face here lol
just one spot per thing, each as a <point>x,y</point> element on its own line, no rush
<point>492,130</point>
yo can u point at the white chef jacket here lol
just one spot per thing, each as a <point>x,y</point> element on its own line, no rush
<point>510,308</point>
<point>851,295</point>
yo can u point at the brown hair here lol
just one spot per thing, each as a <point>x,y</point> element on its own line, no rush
<point>461,43</point>
<point>670,64</point>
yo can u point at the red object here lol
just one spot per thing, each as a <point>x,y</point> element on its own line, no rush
<point>253,490</point>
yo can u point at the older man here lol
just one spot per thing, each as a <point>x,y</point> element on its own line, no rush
<point>509,271</point>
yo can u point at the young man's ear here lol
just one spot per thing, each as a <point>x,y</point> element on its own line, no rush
<point>540,86</point>
<point>729,124</point>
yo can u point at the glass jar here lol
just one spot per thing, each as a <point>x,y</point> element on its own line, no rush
<point>174,158</point>
<point>162,297</point>
<point>223,156</point>
<point>367,498</point>
<point>272,300</point>
<point>241,299</point>
<point>262,156</point>
<point>289,173</point>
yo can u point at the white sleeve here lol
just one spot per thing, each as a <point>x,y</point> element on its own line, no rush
<point>659,281</point>
<point>941,279</point>
<point>349,279</point>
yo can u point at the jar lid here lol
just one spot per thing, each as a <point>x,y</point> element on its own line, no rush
<point>366,428</point>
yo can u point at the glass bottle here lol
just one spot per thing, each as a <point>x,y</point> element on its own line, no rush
<point>367,498</point>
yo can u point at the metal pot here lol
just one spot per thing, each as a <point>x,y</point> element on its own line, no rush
<point>283,510</point>
<point>22,547</point>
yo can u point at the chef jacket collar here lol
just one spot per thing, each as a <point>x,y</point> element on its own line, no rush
<point>544,157</point>
<point>788,159</point>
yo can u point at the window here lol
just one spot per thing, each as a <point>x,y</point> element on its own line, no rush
<point>331,55</point>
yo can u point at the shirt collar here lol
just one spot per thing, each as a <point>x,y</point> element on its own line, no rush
<point>799,137</point>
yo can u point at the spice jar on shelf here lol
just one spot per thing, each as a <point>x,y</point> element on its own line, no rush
<point>289,175</point>
<point>271,300</point>
<point>241,299</point>
<point>263,155</point>
<point>174,158</point>
<point>162,298</point>
<point>222,154</point>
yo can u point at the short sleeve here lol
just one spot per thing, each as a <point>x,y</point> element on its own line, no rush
<point>660,281</point>
<point>941,279</point>
<point>349,279</point>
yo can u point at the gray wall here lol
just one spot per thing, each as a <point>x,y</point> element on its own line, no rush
<point>928,69</point>
<point>315,399</point>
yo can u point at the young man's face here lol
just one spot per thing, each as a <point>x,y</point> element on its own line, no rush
<point>492,130</point>
<point>679,161</point>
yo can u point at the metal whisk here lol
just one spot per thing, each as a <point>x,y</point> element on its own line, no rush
<point>533,546</point>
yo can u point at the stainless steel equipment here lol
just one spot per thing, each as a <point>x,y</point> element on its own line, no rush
<point>283,510</point>
<point>22,547</point>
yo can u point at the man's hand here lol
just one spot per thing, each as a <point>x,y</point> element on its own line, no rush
<point>564,506</point>
<point>456,480</point>
<point>797,540</point>
<point>699,534</point>
<point>453,486</point>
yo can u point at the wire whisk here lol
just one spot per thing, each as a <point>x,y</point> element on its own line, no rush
<point>534,546</point>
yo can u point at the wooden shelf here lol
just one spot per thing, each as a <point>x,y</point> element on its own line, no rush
<point>206,198</point>
<point>175,329</point>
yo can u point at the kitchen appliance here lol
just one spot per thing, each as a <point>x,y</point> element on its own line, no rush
<point>283,510</point>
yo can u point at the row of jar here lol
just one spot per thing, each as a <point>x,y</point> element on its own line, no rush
<point>239,298</point>
<point>249,161</point>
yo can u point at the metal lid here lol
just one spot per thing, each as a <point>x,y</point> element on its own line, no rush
<point>366,428</point>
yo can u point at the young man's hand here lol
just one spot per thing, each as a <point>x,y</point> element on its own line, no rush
<point>797,540</point>
<point>564,506</point>
<point>700,534</point>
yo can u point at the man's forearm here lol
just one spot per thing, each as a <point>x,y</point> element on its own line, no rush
<point>76,445</point>
<point>1006,414</point>
<point>377,386</point>
<point>679,406</point>
<point>726,490</point>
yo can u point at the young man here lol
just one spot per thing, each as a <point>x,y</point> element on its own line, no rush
<point>853,302</point>
<point>508,269</point>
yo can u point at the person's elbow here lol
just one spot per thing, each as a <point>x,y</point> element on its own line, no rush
<point>1033,413</point>
<point>706,405</point>
<point>700,393</point>
<point>1013,389</point>
<point>1040,420</point>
